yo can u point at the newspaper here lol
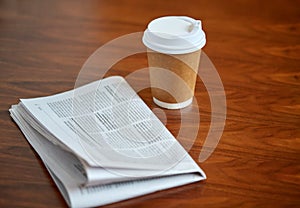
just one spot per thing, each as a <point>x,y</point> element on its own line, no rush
<point>102,144</point>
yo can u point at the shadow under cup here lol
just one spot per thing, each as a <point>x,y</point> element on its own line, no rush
<point>173,78</point>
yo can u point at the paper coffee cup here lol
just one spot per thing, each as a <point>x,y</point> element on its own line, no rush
<point>174,46</point>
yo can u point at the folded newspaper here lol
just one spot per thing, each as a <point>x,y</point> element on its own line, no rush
<point>101,144</point>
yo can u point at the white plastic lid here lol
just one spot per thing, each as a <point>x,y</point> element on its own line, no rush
<point>174,35</point>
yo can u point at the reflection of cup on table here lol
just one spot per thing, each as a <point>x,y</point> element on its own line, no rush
<point>174,46</point>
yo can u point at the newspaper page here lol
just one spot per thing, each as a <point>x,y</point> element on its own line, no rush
<point>106,124</point>
<point>64,169</point>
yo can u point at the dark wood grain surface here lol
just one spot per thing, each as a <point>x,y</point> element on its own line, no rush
<point>254,44</point>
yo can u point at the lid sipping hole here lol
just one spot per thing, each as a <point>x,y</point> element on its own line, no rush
<point>195,24</point>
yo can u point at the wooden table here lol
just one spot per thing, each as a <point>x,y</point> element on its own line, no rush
<point>255,45</point>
